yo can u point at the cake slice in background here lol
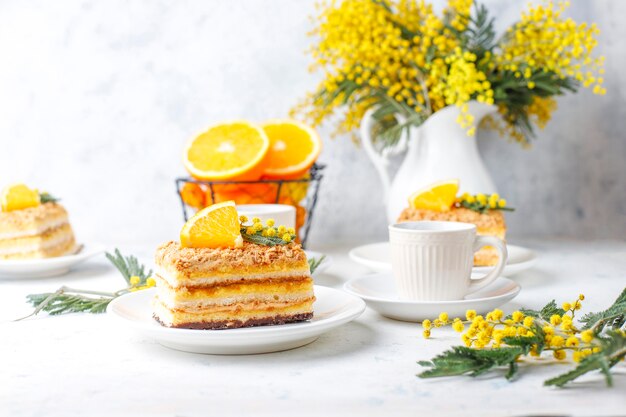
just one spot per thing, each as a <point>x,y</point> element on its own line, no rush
<point>33,225</point>
<point>221,278</point>
<point>438,202</point>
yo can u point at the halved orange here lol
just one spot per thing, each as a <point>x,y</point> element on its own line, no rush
<point>19,197</point>
<point>439,196</point>
<point>227,151</point>
<point>216,226</point>
<point>294,147</point>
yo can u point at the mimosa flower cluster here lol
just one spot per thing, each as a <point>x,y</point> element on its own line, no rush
<point>483,202</point>
<point>136,283</point>
<point>560,335</point>
<point>401,58</point>
<point>267,234</point>
<point>595,341</point>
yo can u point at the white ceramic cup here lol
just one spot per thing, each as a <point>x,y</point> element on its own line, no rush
<point>432,261</point>
<point>283,214</point>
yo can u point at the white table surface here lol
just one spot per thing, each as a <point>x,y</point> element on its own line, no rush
<point>85,364</point>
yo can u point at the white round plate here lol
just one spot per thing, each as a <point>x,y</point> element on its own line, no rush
<point>379,292</point>
<point>332,308</point>
<point>324,265</point>
<point>46,267</point>
<point>377,257</point>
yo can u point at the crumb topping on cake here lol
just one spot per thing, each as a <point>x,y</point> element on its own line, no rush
<point>490,219</point>
<point>172,255</point>
<point>22,219</point>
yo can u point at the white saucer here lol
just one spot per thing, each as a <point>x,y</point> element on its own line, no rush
<point>377,257</point>
<point>331,309</point>
<point>324,265</point>
<point>379,292</point>
<point>46,267</point>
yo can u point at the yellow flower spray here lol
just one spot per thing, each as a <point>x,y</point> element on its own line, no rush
<point>496,340</point>
<point>400,57</point>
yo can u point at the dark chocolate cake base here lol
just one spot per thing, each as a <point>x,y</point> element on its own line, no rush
<point>236,324</point>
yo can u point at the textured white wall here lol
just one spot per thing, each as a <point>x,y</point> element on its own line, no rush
<point>97,99</point>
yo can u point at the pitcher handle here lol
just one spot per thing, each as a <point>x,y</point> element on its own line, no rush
<point>379,159</point>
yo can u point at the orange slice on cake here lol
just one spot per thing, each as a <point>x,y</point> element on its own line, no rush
<point>294,147</point>
<point>439,196</point>
<point>227,151</point>
<point>216,226</point>
<point>19,197</point>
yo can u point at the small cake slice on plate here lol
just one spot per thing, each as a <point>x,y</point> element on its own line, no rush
<point>260,278</point>
<point>439,203</point>
<point>33,225</point>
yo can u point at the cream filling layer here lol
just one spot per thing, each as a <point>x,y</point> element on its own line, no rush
<point>169,300</point>
<point>36,231</point>
<point>38,246</point>
<point>227,279</point>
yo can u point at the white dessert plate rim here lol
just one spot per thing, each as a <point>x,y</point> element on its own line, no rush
<point>47,267</point>
<point>513,289</point>
<point>83,251</point>
<point>520,258</point>
<point>387,304</point>
<point>139,303</point>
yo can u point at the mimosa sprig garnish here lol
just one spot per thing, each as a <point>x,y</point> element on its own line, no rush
<point>271,235</point>
<point>496,341</point>
<point>45,197</point>
<point>70,300</point>
<point>268,234</point>
<point>483,202</point>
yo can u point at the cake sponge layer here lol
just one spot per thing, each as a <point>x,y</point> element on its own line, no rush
<point>54,242</point>
<point>268,291</point>
<point>242,316</point>
<point>487,256</point>
<point>31,221</point>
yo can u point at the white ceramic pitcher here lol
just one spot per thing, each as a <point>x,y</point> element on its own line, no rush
<point>440,149</point>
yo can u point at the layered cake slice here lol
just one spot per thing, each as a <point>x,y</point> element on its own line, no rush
<point>264,280</point>
<point>32,229</point>
<point>439,203</point>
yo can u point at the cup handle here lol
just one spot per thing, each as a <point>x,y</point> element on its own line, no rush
<point>476,284</point>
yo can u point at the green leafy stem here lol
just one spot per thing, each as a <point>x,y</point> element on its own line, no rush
<point>70,300</point>
<point>610,344</point>
<point>314,263</point>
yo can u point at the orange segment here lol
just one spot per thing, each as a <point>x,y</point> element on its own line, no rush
<point>227,151</point>
<point>193,195</point>
<point>216,226</point>
<point>19,197</point>
<point>439,196</point>
<point>294,147</point>
<point>248,193</point>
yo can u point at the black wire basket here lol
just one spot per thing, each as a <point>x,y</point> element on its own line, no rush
<point>300,193</point>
